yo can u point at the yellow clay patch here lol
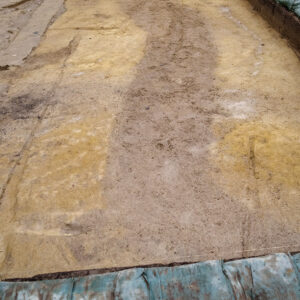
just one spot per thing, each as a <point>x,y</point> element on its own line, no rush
<point>105,38</point>
<point>260,166</point>
<point>65,167</point>
<point>272,153</point>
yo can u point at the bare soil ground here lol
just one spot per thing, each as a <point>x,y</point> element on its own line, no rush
<point>159,173</point>
<point>149,132</point>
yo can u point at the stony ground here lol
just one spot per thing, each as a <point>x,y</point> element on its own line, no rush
<point>143,132</point>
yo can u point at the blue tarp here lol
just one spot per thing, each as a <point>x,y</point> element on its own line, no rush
<point>293,5</point>
<point>275,276</point>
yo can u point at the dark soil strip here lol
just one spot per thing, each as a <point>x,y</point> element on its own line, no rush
<point>284,21</point>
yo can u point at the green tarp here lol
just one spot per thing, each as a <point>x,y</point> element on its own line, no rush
<point>273,277</point>
<point>293,5</point>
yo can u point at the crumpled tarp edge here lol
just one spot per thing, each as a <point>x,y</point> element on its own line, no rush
<point>274,276</point>
<point>292,5</point>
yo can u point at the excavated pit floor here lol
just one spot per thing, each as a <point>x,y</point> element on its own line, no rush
<point>149,132</point>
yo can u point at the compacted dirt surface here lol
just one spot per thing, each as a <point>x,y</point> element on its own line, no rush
<point>149,132</point>
<point>13,16</point>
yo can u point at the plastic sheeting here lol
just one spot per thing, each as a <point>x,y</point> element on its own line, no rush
<point>270,277</point>
<point>293,5</point>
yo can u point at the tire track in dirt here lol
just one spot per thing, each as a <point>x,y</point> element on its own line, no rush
<point>158,168</point>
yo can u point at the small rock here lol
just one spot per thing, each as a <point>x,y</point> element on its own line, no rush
<point>77,74</point>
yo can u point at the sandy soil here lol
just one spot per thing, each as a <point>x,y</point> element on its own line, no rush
<point>185,157</point>
<point>143,132</point>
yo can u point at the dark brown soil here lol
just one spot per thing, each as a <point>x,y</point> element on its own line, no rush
<point>21,107</point>
<point>286,22</point>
